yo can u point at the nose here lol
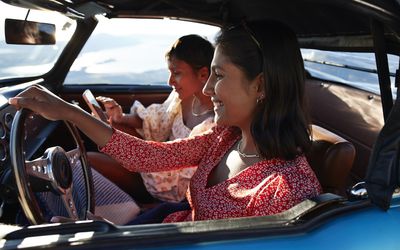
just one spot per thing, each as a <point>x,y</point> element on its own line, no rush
<point>208,89</point>
<point>171,80</point>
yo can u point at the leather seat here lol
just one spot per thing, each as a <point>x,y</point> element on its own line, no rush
<point>331,157</point>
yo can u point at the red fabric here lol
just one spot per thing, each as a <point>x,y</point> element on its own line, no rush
<point>265,188</point>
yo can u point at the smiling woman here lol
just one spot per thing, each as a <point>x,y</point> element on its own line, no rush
<point>351,54</point>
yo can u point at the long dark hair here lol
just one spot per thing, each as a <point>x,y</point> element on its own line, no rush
<point>280,127</point>
<point>194,50</point>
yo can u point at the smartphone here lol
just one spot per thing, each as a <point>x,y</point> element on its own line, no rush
<point>94,105</point>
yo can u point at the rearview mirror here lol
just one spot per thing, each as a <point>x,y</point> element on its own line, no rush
<point>28,32</point>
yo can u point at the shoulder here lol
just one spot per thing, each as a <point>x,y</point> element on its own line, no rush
<point>292,171</point>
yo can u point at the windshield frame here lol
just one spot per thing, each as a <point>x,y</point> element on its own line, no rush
<point>32,61</point>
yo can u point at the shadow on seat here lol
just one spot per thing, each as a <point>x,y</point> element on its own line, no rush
<point>331,157</point>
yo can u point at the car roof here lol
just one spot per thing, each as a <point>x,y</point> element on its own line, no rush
<point>320,24</point>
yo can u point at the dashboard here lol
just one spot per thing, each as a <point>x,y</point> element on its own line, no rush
<point>6,118</point>
<point>38,134</point>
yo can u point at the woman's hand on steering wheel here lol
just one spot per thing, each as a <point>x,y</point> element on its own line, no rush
<point>41,101</point>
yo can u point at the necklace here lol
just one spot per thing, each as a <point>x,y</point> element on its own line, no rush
<point>243,154</point>
<point>201,113</point>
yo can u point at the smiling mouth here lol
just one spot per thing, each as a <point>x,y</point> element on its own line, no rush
<point>177,89</point>
<point>217,104</point>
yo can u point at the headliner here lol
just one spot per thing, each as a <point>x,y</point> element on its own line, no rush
<point>321,24</point>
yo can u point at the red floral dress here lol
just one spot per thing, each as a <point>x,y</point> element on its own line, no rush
<point>264,188</point>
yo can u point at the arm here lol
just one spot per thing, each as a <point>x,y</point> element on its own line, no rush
<point>50,106</point>
<point>116,116</point>
<point>148,156</point>
<point>131,120</point>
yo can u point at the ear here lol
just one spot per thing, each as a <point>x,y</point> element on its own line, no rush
<point>203,73</point>
<point>259,86</point>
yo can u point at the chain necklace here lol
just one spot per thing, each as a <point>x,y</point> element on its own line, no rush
<point>243,154</point>
<point>201,113</point>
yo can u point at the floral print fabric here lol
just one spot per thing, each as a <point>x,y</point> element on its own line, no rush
<point>265,188</point>
<point>162,122</point>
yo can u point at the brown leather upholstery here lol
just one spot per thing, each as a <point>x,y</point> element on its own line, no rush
<point>331,157</point>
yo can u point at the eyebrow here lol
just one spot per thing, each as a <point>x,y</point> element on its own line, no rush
<point>213,67</point>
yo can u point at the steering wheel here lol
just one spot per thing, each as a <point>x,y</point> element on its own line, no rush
<point>53,171</point>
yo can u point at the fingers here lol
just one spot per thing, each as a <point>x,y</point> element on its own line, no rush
<point>25,102</point>
<point>106,100</point>
<point>41,101</point>
<point>27,97</point>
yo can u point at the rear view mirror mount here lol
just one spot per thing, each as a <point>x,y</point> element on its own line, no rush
<point>28,32</point>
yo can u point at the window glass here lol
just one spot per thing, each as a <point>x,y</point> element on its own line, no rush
<point>32,60</point>
<point>131,51</point>
<point>355,69</point>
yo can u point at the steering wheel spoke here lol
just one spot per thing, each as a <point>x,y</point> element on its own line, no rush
<point>38,168</point>
<point>69,203</point>
<point>73,156</point>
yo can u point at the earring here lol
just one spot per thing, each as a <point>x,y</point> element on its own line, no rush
<point>260,99</point>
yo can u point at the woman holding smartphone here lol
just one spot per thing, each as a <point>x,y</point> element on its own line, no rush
<point>186,112</point>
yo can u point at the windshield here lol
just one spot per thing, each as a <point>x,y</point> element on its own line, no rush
<point>32,60</point>
<point>131,51</point>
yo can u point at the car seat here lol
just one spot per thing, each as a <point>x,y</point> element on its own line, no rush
<point>331,157</point>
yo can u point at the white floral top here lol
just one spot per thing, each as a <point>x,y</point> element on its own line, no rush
<point>162,122</point>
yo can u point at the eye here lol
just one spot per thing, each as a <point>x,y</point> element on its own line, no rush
<point>174,73</point>
<point>218,76</point>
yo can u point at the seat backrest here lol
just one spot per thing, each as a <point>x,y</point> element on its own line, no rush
<point>331,157</point>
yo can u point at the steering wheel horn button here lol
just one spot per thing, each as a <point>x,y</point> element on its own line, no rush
<point>59,169</point>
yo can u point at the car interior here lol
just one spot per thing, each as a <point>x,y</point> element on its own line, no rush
<point>345,121</point>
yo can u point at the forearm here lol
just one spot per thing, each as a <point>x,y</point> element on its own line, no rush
<point>95,129</point>
<point>127,129</point>
<point>148,156</point>
<point>129,120</point>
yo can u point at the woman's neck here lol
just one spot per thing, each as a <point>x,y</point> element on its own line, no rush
<point>247,143</point>
<point>194,112</point>
<point>201,106</point>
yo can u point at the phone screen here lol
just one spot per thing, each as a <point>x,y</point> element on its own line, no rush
<point>94,105</point>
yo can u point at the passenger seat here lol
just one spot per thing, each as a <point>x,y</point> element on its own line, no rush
<point>331,157</point>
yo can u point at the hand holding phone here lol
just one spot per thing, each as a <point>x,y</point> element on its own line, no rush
<point>94,106</point>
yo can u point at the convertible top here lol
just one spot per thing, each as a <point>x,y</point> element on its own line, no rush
<point>319,24</point>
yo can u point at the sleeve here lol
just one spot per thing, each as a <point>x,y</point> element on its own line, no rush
<point>148,156</point>
<point>158,118</point>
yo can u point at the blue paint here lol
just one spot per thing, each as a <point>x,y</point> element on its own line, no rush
<point>370,228</point>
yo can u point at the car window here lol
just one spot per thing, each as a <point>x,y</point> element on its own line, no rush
<point>131,51</point>
<point>32,60</point>
<point>355,69</point>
